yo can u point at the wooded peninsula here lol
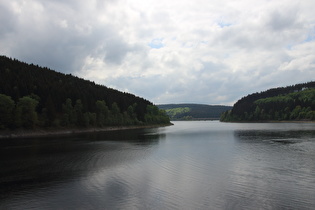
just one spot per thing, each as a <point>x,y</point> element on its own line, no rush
<point>291,103</point>
<point>34,97</point>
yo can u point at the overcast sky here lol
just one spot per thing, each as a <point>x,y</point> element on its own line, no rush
<point>167,51</point>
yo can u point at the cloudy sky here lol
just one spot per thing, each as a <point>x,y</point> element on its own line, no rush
<point>167,51</point>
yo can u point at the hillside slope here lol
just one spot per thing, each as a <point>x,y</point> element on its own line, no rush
<point>33,96</point>
<point>193,111</point>
<point>296,102</point>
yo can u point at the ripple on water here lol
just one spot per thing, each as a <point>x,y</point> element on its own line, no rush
<point>192,165</point>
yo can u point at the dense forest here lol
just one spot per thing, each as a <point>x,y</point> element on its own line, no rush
<point>296,102</point>
<point>36,97</point>
<point>193,111</point>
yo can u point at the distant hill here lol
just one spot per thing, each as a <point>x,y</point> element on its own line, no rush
<point>193,111</point>
<point>37,97</point>
<point>296,102</point>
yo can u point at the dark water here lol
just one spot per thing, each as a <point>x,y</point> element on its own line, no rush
<point>191,165</point>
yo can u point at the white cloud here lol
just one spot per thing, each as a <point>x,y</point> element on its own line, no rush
<point>167,51</point>
<point>301,58</point>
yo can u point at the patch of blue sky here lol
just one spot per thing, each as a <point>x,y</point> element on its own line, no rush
<point>311,36</point>
<point>203,42</point>
<point>156,43</point>
<point>289,46</point>
<point>224,24</point>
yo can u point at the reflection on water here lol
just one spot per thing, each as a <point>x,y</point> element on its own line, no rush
<point>276,167</point>
<point>32,163</point>
<point>191,165</point>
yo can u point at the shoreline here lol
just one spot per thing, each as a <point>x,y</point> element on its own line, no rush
<point>271,121</point>
<point>68,131</point>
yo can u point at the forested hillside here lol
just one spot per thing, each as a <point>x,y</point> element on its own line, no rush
<point>295,102</point>
<point>33,96</point>
<point>193,111</point>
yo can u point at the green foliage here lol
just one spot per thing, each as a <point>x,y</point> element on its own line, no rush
<point>246,104</point>
<point>156,116</point>
<point>297,105</point>
<point>193,111</point>
<point>7,106</point>
<point>176,113</point>
<point>48,114</point>
<point>131,111</point>
<point>228,116</point>
<point>26,115</point>
<point>18,79</point>
<point>116,117</point>
<point>102,113</point>
<point>78,113</point>
<point>68,117</point>
<point>32,96</point>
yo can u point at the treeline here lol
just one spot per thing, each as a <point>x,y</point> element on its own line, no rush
<point>33,96</point>
<point>180,113</point>
<point>193,111</point>
<point>290,103</point>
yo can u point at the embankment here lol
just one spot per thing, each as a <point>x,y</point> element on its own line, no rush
<point>68,131</point>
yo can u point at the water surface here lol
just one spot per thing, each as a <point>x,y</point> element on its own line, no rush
<point>191,165</point>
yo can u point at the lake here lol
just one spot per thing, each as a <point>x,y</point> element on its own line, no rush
<point>190,165</point>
